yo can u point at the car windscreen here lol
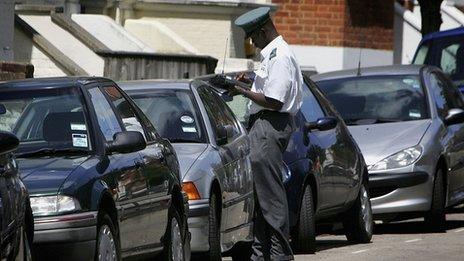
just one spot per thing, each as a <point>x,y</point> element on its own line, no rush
<point>446,53</point>
<point>377,99</point>
<point>174,113</point>
<point>45,120</point>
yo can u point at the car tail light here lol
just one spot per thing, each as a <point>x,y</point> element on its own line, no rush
<point>191,190</point>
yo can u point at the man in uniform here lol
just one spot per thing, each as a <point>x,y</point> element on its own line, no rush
<point>276,96</point>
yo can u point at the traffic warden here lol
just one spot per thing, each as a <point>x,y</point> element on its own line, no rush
<point>275,97</point>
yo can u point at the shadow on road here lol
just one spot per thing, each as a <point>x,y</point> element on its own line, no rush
<point>325,244</point>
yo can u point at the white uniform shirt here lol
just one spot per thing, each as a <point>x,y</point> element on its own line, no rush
<point>279,77</point>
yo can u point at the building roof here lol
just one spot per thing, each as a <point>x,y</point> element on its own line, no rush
<point>53,82</point>
<point>370,71</point>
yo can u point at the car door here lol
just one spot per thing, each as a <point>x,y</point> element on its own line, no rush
<point>447,97</point>
<point>237,183</point>
<point>346,180</point>
<point>123,175</point>
<point>153,178</point>
<point>320,150</point>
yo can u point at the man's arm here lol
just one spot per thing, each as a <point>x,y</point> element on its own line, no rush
<point>260,99</point>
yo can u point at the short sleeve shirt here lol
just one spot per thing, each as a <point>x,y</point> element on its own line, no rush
<point>279,77</point>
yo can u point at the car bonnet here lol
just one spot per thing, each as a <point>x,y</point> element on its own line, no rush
<point>378,141</point>
<point>187,154</point>
<point>45,176</point>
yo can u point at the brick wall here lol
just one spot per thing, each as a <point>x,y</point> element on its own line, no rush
<point>349,23</point>
<point>12,71</point>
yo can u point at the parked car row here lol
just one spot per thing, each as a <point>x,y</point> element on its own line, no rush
<point>162,168</point>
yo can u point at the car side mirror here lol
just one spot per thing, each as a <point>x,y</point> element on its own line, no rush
<point>126,142</point>
<point>455,116</point>
<point>322,124</point>
<point>8,142</point>
<point>224,134</point>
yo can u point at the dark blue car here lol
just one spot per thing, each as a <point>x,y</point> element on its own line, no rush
<point>326,176</point>
<point>445,50</point>
<point>103,184</point>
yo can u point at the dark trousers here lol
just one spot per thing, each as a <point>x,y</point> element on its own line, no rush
<point>269,136</point>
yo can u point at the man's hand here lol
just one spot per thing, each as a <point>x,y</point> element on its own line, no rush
<point>244,78</point>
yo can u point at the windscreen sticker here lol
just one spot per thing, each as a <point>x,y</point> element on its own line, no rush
<point>414,114</point>
<point>412,82</point>
<point>189,129</point>
<point>78,127</point>
<point>187,119</point>
<point>79,140</point>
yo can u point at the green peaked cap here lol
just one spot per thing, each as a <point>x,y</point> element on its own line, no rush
<point>253,20</point>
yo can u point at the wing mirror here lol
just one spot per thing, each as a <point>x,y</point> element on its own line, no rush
<point>224,134</point>
<point>8,142</point>
<point>322,124</point>
<point>126,142</point>
<point>455,116</point>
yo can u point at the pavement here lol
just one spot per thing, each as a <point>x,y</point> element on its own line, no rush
<point>405,240</point>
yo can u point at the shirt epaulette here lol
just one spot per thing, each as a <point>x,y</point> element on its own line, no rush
<point>273,53</point>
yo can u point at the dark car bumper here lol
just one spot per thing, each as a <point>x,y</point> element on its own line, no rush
<point>72,236</point>
<point>397,180</point>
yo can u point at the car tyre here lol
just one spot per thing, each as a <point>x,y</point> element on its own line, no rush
<point>214,234</point>
<point>107,240</point>
<point>359,224</point>
<point>174,250</point>
<point>436,218</point>
<point>304,236</point>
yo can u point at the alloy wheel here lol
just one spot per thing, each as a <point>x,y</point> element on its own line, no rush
<point>366,210</point>
<point>106,245</point>
<point>176,244</point>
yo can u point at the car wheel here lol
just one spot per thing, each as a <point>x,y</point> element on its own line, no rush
<point>359,224</point>
<point>436,217</point>
<point>174,250</point>
<point>107,243</point>
<point>214,235</point>
<point>304,236</point>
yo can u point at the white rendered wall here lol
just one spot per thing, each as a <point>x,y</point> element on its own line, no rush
<point>66,43</point>
<point>326,59</point>
<point>25,51</point>
<point>111,34</point>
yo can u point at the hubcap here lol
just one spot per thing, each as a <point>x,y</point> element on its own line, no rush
<point>106,245</point>
<point>366,210</point>
<point>176,244</point>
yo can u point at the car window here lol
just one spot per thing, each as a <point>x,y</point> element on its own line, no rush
<point>174,113</point>
<point>45,118</point>
<point>377,99</point>
<point>107,120</point>
<point>311,108</point>
<point>124,109</point>
<point>421,55</point>
<point>215,108</point>
<point>448,58</point>
<point>446,97</point>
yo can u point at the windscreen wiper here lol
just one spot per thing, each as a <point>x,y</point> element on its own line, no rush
<point>182,141</point>
<point>364,121</point>
<point>51,151</point>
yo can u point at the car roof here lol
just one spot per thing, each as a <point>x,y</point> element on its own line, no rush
<point>446,33</point>
<point>53,82</point>
<point>147,85</point>
<point>370,71</point>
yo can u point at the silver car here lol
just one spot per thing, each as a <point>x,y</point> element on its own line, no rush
<point>213,151</point>
<point>407,120</point>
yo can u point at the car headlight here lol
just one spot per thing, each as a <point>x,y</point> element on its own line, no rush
<point>53,205</point>
<point>400,159</point>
